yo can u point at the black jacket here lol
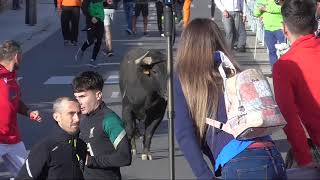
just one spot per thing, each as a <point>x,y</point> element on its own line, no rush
<point>60,156</point>
<point>107,144</point>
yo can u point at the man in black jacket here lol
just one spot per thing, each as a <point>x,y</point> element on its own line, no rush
<point>60,156</point>
<point>101,129</point>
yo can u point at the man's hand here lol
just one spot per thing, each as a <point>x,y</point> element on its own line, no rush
<point>94,20</point>
<point>59,10</point>
<point>35,115</point>
<point>262,9</point>
<point>244,19</point>
<point>226,14</point>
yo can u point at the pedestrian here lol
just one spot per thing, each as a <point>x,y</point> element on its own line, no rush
<point>16,5</point>
<point>159,9</point>
<point>128,10</point>
<point>61,155</point>
<point>140,6</point>
<point>70,15</point>
<point>233,19</point>
<point>198,91</point>
<point>109,10</point>
<point>296,79</point>
<point>272,22</point>
<point>94,12</point>
<point>12,149</point>
<point>101,129</point>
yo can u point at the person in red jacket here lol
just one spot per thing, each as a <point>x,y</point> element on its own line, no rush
<point>12,149</point>
<point>296,79</point>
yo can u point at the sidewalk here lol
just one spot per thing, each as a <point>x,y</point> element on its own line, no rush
<point>13,25</point>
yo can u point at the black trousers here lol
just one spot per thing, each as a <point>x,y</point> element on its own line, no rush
<point>70,16</point>
<point>95,34</point>
<point>159,8</point>
<point>16,4</point>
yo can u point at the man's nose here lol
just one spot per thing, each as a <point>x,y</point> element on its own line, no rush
<point>76,117</point>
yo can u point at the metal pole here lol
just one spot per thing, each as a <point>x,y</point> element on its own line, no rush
<point>31,12</point>
<point>168,25</point>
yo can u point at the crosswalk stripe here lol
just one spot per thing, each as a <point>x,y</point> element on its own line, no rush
<point>115,94</point>
<point>112,79</point>
<point>59,80</point>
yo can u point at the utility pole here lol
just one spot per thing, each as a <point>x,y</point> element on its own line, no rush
<point>168,32</point>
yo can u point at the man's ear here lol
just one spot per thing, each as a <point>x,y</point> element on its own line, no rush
<point>17,57</point>
<point>56,117</point>
<point>285,30</point>
<point>99,95</point>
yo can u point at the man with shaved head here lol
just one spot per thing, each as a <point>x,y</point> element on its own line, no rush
<point>60,156</point>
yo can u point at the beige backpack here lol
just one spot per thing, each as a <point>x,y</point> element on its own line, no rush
<point>251,109</point>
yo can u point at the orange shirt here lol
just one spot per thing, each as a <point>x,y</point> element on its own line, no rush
<point>68,3</point>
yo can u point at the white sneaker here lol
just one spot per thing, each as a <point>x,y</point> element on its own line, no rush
<point>79,54</point>
<point>93,63</point>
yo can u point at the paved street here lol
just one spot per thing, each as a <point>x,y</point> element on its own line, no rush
<point>48,68</point>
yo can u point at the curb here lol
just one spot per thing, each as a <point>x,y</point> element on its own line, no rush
<point>42,30</point>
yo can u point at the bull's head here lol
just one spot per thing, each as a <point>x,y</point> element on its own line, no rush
<point>152,67</point>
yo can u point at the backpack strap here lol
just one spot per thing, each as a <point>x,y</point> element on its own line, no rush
<point>225,62</point>
<point>219,125</point>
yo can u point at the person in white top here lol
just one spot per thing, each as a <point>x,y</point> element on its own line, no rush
<point>233,18</point>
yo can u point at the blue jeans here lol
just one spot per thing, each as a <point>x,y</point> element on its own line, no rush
<point>271,38</point>
<point>128,9</point>
<point>235,29</point>
<point>257,163</point>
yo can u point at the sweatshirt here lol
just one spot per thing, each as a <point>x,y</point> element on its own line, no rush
<point>62,3</point>
<point>9,107</point>
<point>59,156</point>
<point>107,143</point>
<point>93,8</point>
<point>272,18</point>
<point>296,79</point>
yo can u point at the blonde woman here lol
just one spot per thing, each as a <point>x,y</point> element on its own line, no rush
<point>198,94</point>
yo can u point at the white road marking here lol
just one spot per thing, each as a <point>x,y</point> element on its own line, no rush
<point>99,64</point>
<point>112,79</point>
<point>115,94</point>
<point>59,80</point>
<point>108,64</point>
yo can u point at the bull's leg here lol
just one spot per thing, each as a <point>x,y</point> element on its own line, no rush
<point>130,127</point>
<point>151,126</point>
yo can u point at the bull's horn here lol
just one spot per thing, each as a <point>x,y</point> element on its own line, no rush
<point>138,61</point>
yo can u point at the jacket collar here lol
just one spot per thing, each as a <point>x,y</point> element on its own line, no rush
<point>5,73</point>
<point>62,135</point>
<point>302,39</point>
<point>101,106</point>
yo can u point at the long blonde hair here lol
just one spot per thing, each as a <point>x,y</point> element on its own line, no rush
<point>197,71</point>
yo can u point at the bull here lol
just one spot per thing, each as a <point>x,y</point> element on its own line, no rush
<point>142,84</point>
